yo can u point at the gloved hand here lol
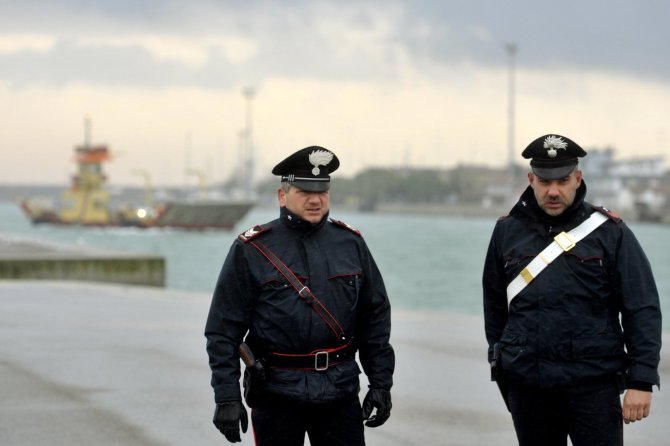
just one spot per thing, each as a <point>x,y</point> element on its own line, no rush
<point>228,417</point>
<point>380,399</point>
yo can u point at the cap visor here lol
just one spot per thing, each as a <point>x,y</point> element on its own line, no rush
<point>553,173</point>
<point>312,186</point>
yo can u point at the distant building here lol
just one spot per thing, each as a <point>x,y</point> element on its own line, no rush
<point>622,184</point>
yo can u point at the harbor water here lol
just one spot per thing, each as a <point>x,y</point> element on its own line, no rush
<point>429,262</point>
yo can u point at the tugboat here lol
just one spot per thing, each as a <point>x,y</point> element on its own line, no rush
<point>87,203</point>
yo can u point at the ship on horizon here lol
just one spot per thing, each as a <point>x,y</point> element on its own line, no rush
<point>87,203</point>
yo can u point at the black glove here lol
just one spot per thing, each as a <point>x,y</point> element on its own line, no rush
<point>381,399</point>
<point>226,418</point>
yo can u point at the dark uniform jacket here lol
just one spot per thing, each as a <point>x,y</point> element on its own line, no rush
<point>593,312</point>
<point>252,298</point>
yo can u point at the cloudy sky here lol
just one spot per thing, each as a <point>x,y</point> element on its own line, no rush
<point>386,83</point>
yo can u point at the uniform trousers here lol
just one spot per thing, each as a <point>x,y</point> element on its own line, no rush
<point>283,422</point>
<point>589,413</point>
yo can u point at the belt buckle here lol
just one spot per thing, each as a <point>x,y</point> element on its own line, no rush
<point>321,368</point>
<point>565,241</point>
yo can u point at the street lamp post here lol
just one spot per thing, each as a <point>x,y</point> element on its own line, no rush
<point>249,94</point>
<point>511,49</point>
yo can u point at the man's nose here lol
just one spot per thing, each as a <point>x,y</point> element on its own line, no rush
<point>553,189</point>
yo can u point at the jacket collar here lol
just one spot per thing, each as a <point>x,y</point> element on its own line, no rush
<point>292,221</point>
<point>527,206</point>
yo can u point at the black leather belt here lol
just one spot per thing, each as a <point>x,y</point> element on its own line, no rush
<point>318,360</point>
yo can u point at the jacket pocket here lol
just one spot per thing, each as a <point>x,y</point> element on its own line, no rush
<point>597,346</point>
<point>286,382</point>
<point>346,287</point>
<point>274,285</point>
<point>512,346</point>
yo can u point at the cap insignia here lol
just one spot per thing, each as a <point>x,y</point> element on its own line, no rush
<point>551,143</point>
<point>319,158</point>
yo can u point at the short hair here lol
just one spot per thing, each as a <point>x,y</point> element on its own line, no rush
<point>285,186</point>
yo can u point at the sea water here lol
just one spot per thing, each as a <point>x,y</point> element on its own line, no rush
<point>429,262</point>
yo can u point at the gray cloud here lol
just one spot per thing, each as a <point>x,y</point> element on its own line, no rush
<point>69,63</point>
<point>619,36</point>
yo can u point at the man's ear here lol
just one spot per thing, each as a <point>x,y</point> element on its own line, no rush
<point>281,197</point>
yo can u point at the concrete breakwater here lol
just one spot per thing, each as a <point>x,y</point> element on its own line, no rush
<point>22,259</point>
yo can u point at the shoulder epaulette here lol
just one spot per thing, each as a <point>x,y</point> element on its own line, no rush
<point>344,225</point>
<point>254,232</point>
<point>611,214</point>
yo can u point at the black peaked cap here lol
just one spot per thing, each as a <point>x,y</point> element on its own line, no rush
<point>553,156</point>
<point>308,169</point>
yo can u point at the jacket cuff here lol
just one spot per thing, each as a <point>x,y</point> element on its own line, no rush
<point>642,374</point>
<point>227,393</point>
<point>639,385</point>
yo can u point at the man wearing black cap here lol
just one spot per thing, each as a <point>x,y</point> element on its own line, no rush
<point>305,295</point>
<point>571,310</point>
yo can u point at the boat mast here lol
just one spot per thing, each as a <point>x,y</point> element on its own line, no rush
<point>249,160</point>
<point>87,131</point>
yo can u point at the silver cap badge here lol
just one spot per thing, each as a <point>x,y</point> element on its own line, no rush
<point>319,158</point>
<point>552,143</point>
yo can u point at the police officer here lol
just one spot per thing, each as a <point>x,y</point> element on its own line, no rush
<point>303,321</point>
<point>573,313</point>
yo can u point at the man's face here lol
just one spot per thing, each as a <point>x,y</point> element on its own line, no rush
<point>555,196</point>
<point>310,206</point>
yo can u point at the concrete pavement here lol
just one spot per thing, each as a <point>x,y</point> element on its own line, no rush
<point>84,363</point>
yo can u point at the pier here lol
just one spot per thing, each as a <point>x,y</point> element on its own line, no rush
<point>86,363</point>
<point>22,259</point>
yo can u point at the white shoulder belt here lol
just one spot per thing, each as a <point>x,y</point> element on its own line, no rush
<point>563,242</point>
